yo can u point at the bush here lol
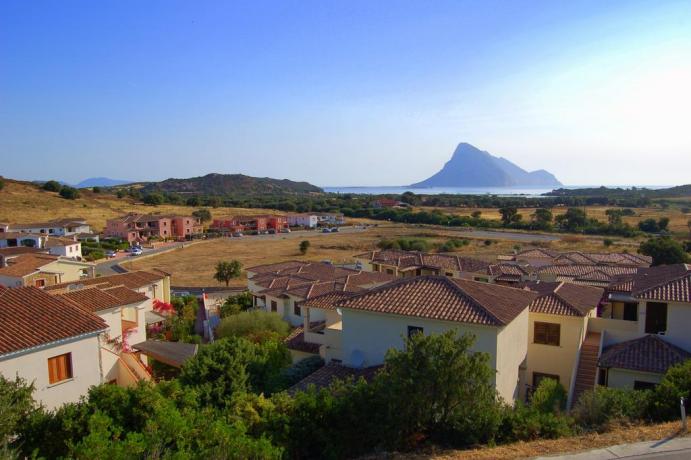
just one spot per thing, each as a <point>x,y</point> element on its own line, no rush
<point>599,407</point>
<point>405,244</point>
<point>523,423</point>
<point>607,242</point>
<point>69,193</point>
<point>675,384</point>
<point>549,397</point>
<point>52,186</point>
<point>255,324</point>
<point>236,304</point>
<point>664,251</point>
<point>298,371</point>
<point>153,199</point>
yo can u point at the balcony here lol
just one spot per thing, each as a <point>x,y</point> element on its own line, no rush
<point>128,325</point>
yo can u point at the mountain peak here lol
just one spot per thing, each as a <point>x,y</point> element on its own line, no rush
<point>472,167</point>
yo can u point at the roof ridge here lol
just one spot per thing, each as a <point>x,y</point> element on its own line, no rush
<point>666,281</point>
<point>475,301</point>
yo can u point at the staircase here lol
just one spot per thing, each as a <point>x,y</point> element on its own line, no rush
<point>586,374</point>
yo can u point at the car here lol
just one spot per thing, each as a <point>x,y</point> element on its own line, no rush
<point>285,230</point>
<point>334,230</point>
<point>136,251</point>
<point>272,231</point>
<point>326,230</point>
<point>111,254</point>
<point>358,266</point>
<point>237,234</point>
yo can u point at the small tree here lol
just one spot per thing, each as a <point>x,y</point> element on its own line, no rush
<point>52,186</point>
<point>204,215</point>
<point>664,251</point>
<point>304,246</point>
<point>226,271</point>
<point>96,189</point>
<point>153,199</point>
<point>509,215</point>
<point>69,193</point>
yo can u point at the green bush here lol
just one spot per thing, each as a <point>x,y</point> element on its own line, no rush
<point>675,384</point>
<point>597,408</point>
<point>52,186</point>
<point>69,193</point>
<point>298,371</point>
<point>254,324</point>
<point>405,244</point>
<point>526,423</point>
<point>236,304</point>
<point>549,397</point>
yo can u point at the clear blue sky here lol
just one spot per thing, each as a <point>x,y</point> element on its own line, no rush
<point>344,93</point>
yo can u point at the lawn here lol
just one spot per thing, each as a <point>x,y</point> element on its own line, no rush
<point>194,265</point>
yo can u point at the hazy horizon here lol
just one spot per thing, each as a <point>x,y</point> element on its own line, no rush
<point>344,94</point>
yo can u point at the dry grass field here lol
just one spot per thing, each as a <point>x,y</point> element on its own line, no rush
<point>23,203</point>
<point>678,221</point>
<point>194,265</point>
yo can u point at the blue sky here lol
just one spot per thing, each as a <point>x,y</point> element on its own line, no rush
<point>344,93</point>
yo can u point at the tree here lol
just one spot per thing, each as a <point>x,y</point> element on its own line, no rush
<point>614,216</point>
<point>204,215</point>
<point>193,201</point>
<point>153,199</point>
<point>476,214</point>
<point>256,325</point>
<point>649,226</point>
<point>16,405</point>
<point>69,193</point>
<point>574,219</point>
<point>236,304</point>
<point>2,184</point>
<point>408,197</point>
<point>52,186</point>
<point>542,218</point>
<point>226,271</point>
<point>509,215</point>
<point>304,246</point>
<point>664,251</point>
<point>96,189</point>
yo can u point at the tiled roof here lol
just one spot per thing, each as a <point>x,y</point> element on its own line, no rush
<point>646,354</point>
<point>326,375</point>
<point>277,267</point>
<point>53,242</point>
<point>94,299</point>
<point>507,271</point>
<point>577,270</point>
<point>327,301</point>
<point>52,223</point>
<point>564,298</point>
<point>595,258</point>
<point>16,250</point>
<point>411,260</point>
<point>668,283</point>
<point>30,317</point>
<point>26,264</point>
<point>445,299</point>
<point>131,280</point>
<point>296,341</point>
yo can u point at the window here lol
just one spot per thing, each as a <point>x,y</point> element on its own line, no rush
<point>60,368</point>
<point>655,317</point>
<point>641,385</point>
<point>389,271</point>
<point>412,330</point>
<point>449,274</point>
<point>274,306</point>
<point>631,311</point>
<point>39,283</point>
<point>296,309</point>
<point>539,377</point>
<point>546,333</point>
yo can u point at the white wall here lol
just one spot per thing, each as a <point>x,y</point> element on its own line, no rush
<point>512,351</point>
<point>34,368</point>
<point>679,325</point>
<point>622,378</point>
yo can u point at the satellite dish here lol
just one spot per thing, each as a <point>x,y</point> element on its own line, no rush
<point>357,359</point>
<point>338,310</point>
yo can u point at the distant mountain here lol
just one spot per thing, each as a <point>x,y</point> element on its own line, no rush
<point>472,167</point>
<point>101,182</point>
<point>227,184</point>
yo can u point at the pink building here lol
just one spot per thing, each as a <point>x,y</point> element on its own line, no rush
<point>141,227</point>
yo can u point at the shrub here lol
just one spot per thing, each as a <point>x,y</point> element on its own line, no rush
<point>597,408</point>
<point>254,324</point>
<point>664,251</point>
<point>153,199</point>
<point>549,397</point>
<point>526,423</point>
<point>298,371</point>
<point>675,384</point>
<point>236,304</point>
<point>69,193</point>
<point>607,242</point>
<point>52,186</point>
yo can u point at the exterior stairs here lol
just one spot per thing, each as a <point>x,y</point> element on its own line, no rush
<point>586,375</point>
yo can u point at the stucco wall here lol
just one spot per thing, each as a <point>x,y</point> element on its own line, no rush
<point>679,325</point>
<point>34,367</point>
<point>550,359</point>
<point>512,351</point>
<point>621,378</point>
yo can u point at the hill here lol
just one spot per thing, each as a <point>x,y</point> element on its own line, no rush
<point>472,167</point>
<point>230,184</point>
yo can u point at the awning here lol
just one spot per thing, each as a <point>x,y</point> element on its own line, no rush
<point>172,353</point>
<point>151,317</point>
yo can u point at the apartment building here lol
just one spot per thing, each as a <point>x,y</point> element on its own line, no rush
<point>41,270</point>
<point>138,228</point>
<point>58,227</point>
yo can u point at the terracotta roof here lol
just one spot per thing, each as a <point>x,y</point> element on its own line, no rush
<point>30,317</point>
<point>326,375</point>
<point>59,241</point>
<point>16,250</point>
<point>296,341</point>
<point>646,354</point>
<point>445,299</point>
<point>411,260</point>
<point>26,264</point>
<point>327,301</point>
<point>131,280</point>
<point>577,270</point>
<point>667,283</point>
<point>53,223</point>
<point>507,272</point>
<point>597,258</point>
<point>277,267</point>
<point>564,298</point>
<point>94,299</point>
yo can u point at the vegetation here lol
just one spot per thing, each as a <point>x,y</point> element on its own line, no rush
<point>664,251</point>
<point>69,193</point>
<point>52,186</point>
<point>236,304</point>
<point>304,246</point>
<point>181,324</point>
<point>226,271</point>
<point>256,325</point>
<point>204,215</point>
<point>405,244</point>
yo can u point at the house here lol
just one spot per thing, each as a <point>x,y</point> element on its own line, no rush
<point>59,227</point>
<point>281,287</point>
<point>387,203</point>
<point>330,218</point>
<point>413,263</point>
<point>250,223</point>
<point>497,316</point>
<point>51,343</point>
<point>303,220</point>
<point>64,247</point>
<point>124,311</point>
<point>645,326</point>
<point>539,257</point>
<point>20,239</point>
<point>557,328</point>
<point>137,228</point>
<point>41,270</point>
<point>154,284</point>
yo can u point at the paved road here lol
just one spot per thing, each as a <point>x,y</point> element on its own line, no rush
<point>668,449</point>
<point>111,267</point>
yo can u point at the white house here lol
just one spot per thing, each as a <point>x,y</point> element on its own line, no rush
<point>58,227</point>
<point>302,220</point>
<point>497,316</point>
<point>65,247</point>
<point>50,343</point>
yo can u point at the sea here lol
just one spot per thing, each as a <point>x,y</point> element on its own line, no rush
<point>498,191</point>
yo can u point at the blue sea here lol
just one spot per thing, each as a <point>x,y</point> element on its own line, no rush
<point>499,191</point>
